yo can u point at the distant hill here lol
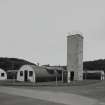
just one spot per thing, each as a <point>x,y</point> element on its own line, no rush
<point>90,65</point>
<point>12,63</point>
<point>94,65</point>
<point>16,63</point>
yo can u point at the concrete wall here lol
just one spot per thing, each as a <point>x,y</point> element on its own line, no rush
<point>75,56</point>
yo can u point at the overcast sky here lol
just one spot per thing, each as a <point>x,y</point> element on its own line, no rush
<point>36,30</point>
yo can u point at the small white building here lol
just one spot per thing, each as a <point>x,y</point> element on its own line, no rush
<point>94,74</point>
<point>26,73</point>
<point>3,74</point>
<point>34,73</point>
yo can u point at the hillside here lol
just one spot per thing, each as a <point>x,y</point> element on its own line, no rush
<point>16,63</point>
<point>12,63</point>
<point>94,65</point>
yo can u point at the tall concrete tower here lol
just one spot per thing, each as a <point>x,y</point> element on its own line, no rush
<point>74,57</point>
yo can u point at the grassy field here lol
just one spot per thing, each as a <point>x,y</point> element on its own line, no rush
<point>53,83</point>
<point>91,88</point>
<point>95,90</point>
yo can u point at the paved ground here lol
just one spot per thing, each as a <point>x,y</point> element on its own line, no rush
<point>48,97</point>
<point>7,99</point>
<point>79,93</point>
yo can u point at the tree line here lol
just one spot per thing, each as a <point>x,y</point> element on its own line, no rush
<point>94,65</point>
<point>16,63</point>
<point>12,63</point>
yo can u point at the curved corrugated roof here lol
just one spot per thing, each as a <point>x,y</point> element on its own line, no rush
<point>43,71</point>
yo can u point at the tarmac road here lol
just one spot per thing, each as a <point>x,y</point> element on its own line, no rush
<point>56,97</point>
<point>8,99</point>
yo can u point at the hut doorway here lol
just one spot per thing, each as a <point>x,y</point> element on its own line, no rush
<point>25,75</point>
<point>72,75</point>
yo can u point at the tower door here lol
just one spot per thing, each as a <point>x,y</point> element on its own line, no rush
<point>72,75</point>
<point>65,75</point>
<point>25,75</point>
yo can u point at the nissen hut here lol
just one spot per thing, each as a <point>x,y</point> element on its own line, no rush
<point>33,73</point>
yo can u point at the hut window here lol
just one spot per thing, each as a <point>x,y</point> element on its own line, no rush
<point>21,73</point>
<point>30,73</point>
<point>2,74</point>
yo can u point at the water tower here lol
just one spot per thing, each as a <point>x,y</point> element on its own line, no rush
<point>74,57</point>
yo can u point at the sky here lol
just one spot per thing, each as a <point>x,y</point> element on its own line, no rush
<point>36,30</point>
